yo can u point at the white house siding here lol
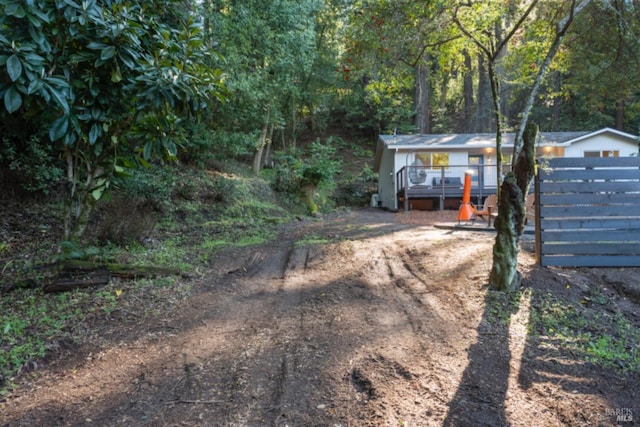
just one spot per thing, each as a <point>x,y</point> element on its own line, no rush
<point>601,142</point>
<point>560,144</point>
<point>386,180</point>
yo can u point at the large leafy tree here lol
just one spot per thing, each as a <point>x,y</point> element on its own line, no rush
<point>270,50</point>
<point>600,73</point>
<point>399,50</point>
<point>492,27</point>
<point>105,82</point>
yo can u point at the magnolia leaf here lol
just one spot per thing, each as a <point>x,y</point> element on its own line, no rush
<point>116,77</point>
<point>148,150</point>
<point>34,86</point>
<point>14,67</point>
<point>15,9</point>
<point>143,162</point>
<point>107,53</point>
<point>94,133</point>
<point>172,150</point>
<point>58,128</point>
<point>59,97</point>
<point>12,99</point>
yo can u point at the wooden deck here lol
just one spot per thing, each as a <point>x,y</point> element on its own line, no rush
<point>438,188</point>
<point>428,198</point>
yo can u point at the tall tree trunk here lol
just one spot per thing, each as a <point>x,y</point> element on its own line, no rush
<point>422,96</point>
<point>266,156</point>
<point>444,86</point>
<point>495,91</point>
<point>468,94</point>
<point>294,121</point>
<point>257,158</point>
<point>557,102</point>
<point>483,121</point>
<point>620,115</point>
<point>509,224</point>
<point>80,199</point>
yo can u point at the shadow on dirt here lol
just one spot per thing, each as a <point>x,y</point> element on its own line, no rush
<point>568,310</point>
<point>480,398</point>
<point>395,330</point>
<point>575,389</point>
<point>277,373</point>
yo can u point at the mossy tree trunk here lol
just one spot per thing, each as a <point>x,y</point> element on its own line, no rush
<point>262,143</point>
<point>309,193</point>
<point>86,182</point>
<point>511,215</point>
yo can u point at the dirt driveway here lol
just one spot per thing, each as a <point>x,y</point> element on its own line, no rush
<point>390,323</point>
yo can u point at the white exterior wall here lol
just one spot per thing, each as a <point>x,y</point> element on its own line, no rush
<point>386,180</point>
<point>393,160</point>
<point>601,143</point>
<point>459,159</point>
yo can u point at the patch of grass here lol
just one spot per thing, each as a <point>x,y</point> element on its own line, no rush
<point>600,333</point>
<point>499,306</point>
<point>172,253</point>
<point>360,151</point>
<point>198,214</point>
<point>313,239</point>
<point>30,320</point>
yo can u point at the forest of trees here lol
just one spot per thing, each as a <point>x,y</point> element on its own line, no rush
<point>92,89</point>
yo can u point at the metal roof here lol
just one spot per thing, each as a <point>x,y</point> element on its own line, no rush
<point>474,140</point>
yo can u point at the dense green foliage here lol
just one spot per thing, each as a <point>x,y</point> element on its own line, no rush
<point>91,90</point>
<point>105,83</point>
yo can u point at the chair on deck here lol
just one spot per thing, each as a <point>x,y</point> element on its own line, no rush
<point>489,208</point>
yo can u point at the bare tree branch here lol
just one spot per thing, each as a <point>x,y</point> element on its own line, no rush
<point>561,31</point>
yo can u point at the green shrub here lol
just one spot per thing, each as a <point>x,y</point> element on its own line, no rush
<point>200,145</point>
<point>287,175</point>
<point>233,144</point>
<point>35,164</point>
<point>154,184</point>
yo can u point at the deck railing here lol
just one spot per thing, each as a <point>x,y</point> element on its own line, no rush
<point>432,182</point>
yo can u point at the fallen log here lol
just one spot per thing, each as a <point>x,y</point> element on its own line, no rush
<point>68,283</point>
<point>75,274</point>
<point>121,270</point>
<point>78,274</point>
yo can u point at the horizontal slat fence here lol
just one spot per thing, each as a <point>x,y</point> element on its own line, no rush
<point>588,212</point>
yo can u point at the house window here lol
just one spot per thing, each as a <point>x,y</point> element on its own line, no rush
<point>440,159</point>
<point>603,153</point>
<point>434,160</point>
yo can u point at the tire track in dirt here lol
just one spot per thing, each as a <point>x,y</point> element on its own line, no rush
<point>377,328</point>
<point>417,362</point>
<point>264,370</point>
<point>274,368</point>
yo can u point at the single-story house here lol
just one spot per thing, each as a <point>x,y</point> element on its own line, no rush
<point>417,170</point>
